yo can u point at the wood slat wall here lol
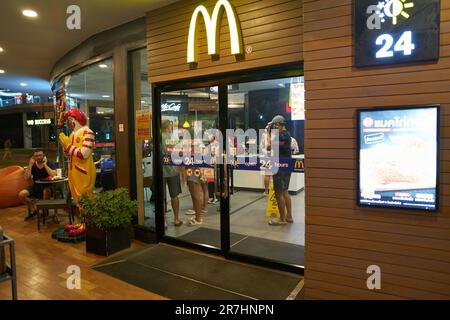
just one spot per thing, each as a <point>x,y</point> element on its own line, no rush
<point>273,28</point>
<point>342,240</point>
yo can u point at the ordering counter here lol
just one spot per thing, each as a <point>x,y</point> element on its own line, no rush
<point>252,179</point>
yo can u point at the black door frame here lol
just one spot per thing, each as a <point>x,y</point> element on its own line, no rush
<point>221,81</point>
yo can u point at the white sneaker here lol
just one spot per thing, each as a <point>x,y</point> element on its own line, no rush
<point>211,201</point>
<point>216,201</point>
<point>190,212</point>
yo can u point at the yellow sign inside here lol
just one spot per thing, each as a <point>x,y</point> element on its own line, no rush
<point>213,30</point>
<point>272,210</point>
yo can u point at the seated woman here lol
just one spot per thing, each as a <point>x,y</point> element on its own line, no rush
<point>38,168</point>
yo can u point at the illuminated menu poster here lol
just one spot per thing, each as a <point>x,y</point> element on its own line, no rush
<point>398,157</point>
<point>395,31</point>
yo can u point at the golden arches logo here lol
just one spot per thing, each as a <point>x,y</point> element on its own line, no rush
<point>299,165</point>
<point>213,30</point>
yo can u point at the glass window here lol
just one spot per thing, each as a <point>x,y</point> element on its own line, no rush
<point>91,91</point>
<point>142,101</point>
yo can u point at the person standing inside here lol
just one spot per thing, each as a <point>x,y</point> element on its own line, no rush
<point>7,149</point>
<point>171,174</point>
<point>38,168</point>
<point>282,179</point>
<point>265,151</point>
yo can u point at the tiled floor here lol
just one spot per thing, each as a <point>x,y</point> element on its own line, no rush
<point>249,218</point>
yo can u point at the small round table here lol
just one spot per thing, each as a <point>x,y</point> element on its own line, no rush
<point>53,182</point>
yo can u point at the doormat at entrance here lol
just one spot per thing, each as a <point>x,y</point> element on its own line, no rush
<point>179,274</point>
<point>274,250</point>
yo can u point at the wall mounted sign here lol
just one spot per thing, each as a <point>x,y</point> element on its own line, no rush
<point>212,25</point>
<point>174,107</point>
<point>143,122</point>
<point>398,152</point>
<point>171,107</point>
<point>395,31</point>
<point>39,122</point>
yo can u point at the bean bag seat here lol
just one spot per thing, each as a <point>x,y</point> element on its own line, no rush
<point>11,183</point>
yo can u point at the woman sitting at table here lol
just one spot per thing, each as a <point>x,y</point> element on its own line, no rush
<point>38,168</point>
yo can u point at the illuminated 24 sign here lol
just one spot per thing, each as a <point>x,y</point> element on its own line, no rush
<point>395,31</point>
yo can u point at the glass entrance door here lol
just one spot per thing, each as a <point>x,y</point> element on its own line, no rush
<point>266,180</point>
<point>220,146</point>
<point>189,121</point>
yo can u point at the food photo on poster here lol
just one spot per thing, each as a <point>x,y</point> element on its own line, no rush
<point>398,154</point>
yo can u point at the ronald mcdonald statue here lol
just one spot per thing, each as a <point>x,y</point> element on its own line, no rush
<point>78,148</point>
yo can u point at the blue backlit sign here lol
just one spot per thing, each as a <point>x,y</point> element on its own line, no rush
<point>395,31</point>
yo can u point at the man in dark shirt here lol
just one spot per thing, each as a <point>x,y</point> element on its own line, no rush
<point>282,179</point>
<point>38,168</point>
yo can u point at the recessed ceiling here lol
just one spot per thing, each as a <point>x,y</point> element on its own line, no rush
<point>33,45</point>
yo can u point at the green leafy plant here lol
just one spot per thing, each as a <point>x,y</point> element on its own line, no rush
<point>108,209</point>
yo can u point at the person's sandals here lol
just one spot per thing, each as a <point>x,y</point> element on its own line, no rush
<point>194,222</point>
<point>31,216</point>
<point>190,212</point>
<point>290,220</point>
<point>277,223</point>
<point>177,224</point>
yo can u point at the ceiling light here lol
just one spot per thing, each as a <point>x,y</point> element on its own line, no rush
<point>2,71</point>
<point>103,65</point>
<point>1,49</point>
<point>106,96</point>
<point>29,13</point>
<point>23,84</point>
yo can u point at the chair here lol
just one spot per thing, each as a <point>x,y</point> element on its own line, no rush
<point>8,271</point>
<point>148,187</point>
<point>43,206</point>
<point>108,180</point>
<point>11,183</point>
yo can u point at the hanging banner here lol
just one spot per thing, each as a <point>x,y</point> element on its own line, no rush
<point>61,106</point>
<point>297,101</point>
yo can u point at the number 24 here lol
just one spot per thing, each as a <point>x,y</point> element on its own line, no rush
<point>403,44</point>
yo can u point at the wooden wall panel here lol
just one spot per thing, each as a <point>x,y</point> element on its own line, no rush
<point>272,28</point>
<point>342,240</point>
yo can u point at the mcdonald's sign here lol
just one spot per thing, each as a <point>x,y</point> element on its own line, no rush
<point>299,165</point>
<point>212,25</point>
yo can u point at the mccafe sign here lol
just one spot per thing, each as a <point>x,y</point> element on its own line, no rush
<point>395,31</point>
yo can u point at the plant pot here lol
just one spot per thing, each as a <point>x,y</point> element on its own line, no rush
<point>107,242</point>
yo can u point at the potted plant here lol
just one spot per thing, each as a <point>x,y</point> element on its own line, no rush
<point>108,216</point>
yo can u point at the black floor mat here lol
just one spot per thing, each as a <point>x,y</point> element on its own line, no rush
<point>209,237</point>
<point>179,274</point>
<point>165,284</point>
<point>274,250</point>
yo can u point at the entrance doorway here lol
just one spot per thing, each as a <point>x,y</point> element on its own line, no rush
<point>215,192</point>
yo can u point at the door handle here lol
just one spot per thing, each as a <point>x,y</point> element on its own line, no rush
<point>225,177</point>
